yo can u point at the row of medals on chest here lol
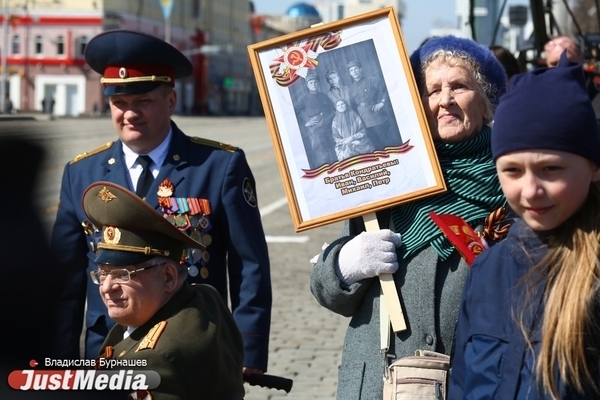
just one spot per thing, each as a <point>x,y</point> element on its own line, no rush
<point>191,217</point>
<point>193,221</point>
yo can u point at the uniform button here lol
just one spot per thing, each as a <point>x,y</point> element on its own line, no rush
<point>429,340</point>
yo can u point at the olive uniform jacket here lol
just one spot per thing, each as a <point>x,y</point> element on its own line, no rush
<point>192,342</point>
<point>236,260</point>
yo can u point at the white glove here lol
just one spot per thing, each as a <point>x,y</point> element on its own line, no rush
<point>367,255</point>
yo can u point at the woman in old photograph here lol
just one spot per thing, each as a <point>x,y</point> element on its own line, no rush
<point>349,132</point>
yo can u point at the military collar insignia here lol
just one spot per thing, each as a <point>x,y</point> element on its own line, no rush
<point>248,192</point>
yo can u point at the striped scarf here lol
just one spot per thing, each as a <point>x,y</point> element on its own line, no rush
<point>473,192</point>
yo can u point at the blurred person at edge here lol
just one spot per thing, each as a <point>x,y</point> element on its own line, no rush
<point>30,286</point>
<point>460,83</point>
<point>529,317</point>
<point>507,59</point>
<point>559,44</point>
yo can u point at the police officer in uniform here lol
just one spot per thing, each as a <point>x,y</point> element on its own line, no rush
<point>184,333</point>
<point>204,188</point>
<point>371,100</point>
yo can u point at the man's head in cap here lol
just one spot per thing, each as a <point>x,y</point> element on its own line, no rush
<point>458,78</point>
<point>355,70</point>
<point>312,82</point>
<point>139,254</point>
<point>138,74</point>
<point>546,144</point>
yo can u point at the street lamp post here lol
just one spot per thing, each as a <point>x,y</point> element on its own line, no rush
<point>167,6</point>
<point>168,30</point>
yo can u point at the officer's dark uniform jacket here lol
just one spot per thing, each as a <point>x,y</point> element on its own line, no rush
<point>492,359</point>
<point>191,342</point>
<point>197,169</point>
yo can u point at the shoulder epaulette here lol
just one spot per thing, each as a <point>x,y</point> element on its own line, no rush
<point>91,153</point>
<point>151,339</point>
<point>214,143</point>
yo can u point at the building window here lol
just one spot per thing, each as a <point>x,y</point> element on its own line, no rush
<point>38,45</point>
<point>340,11</point>
<point>60,46</point>
<point>196,8</point>
<point>81,43</point>
<point>16,44</point>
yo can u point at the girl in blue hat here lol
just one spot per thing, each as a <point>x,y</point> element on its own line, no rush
<point>529,322</point>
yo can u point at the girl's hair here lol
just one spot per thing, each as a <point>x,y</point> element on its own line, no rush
<point>484,88</point>
<point>570,324</point>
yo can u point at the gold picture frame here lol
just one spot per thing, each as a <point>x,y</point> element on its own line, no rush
<point>373,165</point>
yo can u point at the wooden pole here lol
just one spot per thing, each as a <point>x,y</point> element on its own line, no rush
<point>388,287</point>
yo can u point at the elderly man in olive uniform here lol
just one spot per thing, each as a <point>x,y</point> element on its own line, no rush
<point>370,97</point>
<point>184,333</point>
<point>315,113</point>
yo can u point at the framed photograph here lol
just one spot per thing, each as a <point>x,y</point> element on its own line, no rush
<point>346,119</point>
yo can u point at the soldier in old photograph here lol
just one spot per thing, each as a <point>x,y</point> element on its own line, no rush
<point>371,98</point>
<point>315,112</point>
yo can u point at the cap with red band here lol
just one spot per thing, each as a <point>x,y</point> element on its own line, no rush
<point>134,63</point>
<point>127,74</point>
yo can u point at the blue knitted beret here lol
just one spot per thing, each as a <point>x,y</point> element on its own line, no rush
<point>491,69</point>
<point>547,108</point>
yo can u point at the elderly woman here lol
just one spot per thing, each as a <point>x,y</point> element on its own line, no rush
<point>460,83</point>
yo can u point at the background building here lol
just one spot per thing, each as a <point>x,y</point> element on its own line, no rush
<point>332,10</point>
<point>43,41</point>
<point>485,13</point>
<point>303,15</point>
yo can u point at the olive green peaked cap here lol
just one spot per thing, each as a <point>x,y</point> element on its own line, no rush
<point>132,231</point>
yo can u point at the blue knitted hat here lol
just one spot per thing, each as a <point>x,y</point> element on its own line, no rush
<point>491,69</point>
<point>547,108</point>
